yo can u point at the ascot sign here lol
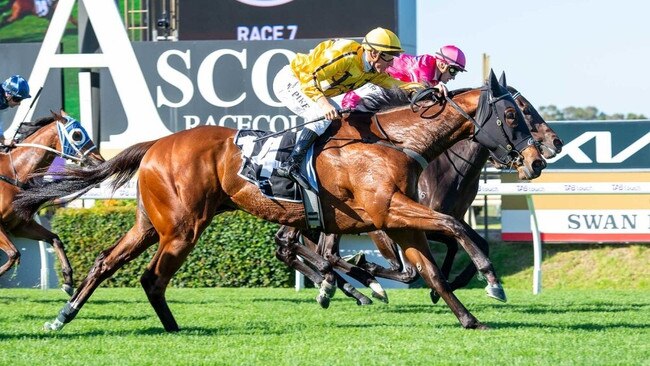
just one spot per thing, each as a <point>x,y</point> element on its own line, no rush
<point>174,73</point>
<point>117,56</point>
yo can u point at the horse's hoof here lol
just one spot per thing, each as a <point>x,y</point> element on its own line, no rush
<point>327,289</point>
<point>355,259</point>
<point>364,301</point>
<point>435,297</point>
<point>325,293</point>
<point>496,292</point>
<point>67,289</point>
<point>378,292</point>
<point>323,301</point>
<point>53,326</point>
<point>481,326</point>
<point>383,297</point>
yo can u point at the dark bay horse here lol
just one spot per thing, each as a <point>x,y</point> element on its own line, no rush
<point>371,184</point>
<point>39,142</point>
<point>449,184</point>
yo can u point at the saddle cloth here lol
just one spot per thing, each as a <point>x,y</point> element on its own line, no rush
<point>260,160</point>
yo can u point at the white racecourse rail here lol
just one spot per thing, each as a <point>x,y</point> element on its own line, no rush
<point>517,189</point>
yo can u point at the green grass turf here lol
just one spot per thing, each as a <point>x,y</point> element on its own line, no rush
<point>282,327</point>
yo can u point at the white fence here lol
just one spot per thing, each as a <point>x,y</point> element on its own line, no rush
<point>531,189</point>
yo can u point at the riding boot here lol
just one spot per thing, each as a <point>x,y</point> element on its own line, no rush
<point>291,167</point>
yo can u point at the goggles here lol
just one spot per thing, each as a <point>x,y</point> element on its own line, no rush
<point>453,71</point>
<point>386,57</point>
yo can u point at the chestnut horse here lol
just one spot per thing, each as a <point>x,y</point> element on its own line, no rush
<point>449,184</point>
<point>371,184</point>
<point>38,144</point>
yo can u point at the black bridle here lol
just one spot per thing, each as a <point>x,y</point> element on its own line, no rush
<point>504,147</point>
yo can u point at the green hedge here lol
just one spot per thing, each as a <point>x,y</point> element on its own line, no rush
<point>236,250</point>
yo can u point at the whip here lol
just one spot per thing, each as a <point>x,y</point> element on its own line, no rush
<point>38,93</point>
<point>339,111</point>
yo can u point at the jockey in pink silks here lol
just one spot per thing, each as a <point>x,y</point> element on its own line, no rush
<point>434,70</point>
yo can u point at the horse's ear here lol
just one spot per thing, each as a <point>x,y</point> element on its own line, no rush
<point>493,83</point>
<point>63,114</point>
<point>502,79</point>
<point>56,115</point>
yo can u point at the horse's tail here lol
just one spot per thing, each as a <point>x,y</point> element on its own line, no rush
<point>74,179</point>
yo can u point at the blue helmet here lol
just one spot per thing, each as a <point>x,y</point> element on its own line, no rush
<point>17,86</point>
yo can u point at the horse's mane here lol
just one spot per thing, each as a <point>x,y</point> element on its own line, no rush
<point>388,99</point>
<point>28,128</point>
<point>395,97</point>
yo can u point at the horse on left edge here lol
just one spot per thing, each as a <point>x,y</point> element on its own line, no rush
<point>39,142</point>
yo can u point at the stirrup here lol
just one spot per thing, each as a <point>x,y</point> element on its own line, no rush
<point>285,171</point>
<point>298,178</point>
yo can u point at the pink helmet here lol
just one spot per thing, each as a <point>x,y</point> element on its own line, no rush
<point>453,56</point>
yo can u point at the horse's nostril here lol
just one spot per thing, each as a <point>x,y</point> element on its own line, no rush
<point>539,165</point>
<point>558,144</point>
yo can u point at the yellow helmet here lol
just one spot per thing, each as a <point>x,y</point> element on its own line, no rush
<point>383,40</point>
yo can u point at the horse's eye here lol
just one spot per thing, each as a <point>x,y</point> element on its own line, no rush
<point>510,115</point>
<point>77,136</point>
<point>526,110</point>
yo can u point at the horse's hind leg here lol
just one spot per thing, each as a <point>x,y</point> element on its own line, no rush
<point>288,256</point>
<point>286,252</point>
<point>13,255</point>
<point>171,254</point>
<point>132,244</point>
<point>416,250</point>
<point>35,231</point>
<point>328,247</point>
<point>327,287</point>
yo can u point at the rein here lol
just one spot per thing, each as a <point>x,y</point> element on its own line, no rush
<point>13,182</point>
<point>57,152</point>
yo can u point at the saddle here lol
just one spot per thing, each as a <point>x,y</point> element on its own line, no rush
<point>260,159</point>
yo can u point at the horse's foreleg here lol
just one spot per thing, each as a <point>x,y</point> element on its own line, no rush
<point>387,248</point>
<point>33,230</point>
<point>416,250</point>
<point>13,255</point>
<point>466,275</point>
<point>452,250</point>
<point>405,213</point>
<point>399,270</point>
<point>131,245</point>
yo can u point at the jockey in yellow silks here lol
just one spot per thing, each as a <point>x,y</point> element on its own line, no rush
<point>332,68</point>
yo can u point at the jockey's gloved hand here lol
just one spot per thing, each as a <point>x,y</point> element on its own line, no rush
<point>8,142</point>
<point>441,90</point>
<point>328,109</point>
